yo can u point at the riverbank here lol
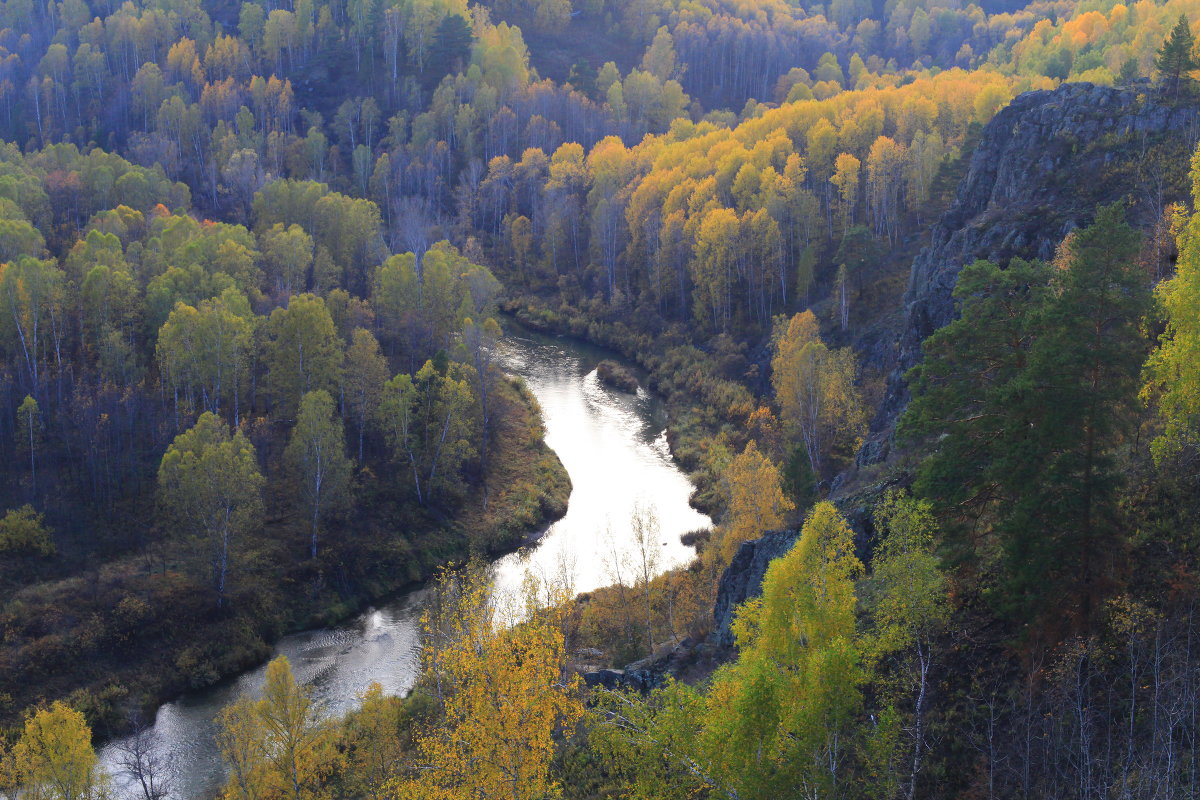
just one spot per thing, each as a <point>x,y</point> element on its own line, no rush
<point>136,631</point>
<point>612,447</point>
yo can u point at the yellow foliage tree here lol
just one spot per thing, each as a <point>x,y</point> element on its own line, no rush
<point>814,387</point>
<point>374,757</point>
<point>241,741</point>
<point>504,693</point>
<point>54,759</point>
<point>846,179</point>
<point>279,746</point>
<point>299,740</point>
<point>756,502</point>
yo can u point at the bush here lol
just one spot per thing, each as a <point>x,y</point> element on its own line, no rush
<point>613,374</point>
<point>23,532</point>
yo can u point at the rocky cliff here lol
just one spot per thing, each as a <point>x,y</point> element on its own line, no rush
<point>1042,166</point>
<point>743,578</point>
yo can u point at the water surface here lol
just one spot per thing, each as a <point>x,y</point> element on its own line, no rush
<point>613,446</point>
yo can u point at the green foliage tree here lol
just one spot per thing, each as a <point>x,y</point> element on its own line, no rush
<point>951,392</point>
<point>909,608</point>
<point>780,720</point>
<point>424,303</point>
<point>302,352</point>
<point>110,305</point>
<point>480,340</point>
<point>17,236</point>
<point>317,458</point>
<point>288,254</point>
<point>797,656</point>
<point>451,48</point>
<point>31,292</point>
<point>1176,59</point>
<point>23,531</point>
<point>204,352</point>
<point>1173,370</point>
<point>799,480</point>
<point>1035,389</point>
<point>366,372</point>
<point>583,77</point>
<point>210,484</point>
<point>428,420</point>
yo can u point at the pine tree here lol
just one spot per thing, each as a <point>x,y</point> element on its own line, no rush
<point>451,47</point>
<point>1029,396</point>
<point>1176,58</point>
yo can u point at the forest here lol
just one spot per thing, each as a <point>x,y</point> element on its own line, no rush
<point>259,262</point>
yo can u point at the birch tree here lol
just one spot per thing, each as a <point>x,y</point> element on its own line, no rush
<point>427,419</point>
<point>814,387</point>
<point>317,459</point>
<point>209,482</point>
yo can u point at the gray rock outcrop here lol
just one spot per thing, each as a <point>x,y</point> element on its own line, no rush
<point>1042,166</point>
<point>743,578</point>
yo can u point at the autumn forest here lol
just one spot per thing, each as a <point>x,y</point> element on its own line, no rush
<point>905,292</point>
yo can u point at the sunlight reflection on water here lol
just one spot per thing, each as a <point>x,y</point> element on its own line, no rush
<point>614,447</point>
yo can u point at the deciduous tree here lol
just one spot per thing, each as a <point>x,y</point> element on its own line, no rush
<point>209,482</point>
<point>427,418</point>
<point>910,609</point>
<point>1173,370</point>
<point>366,372</point>
<point>506,694</point>
<point>54,756</point>
<point>29,434</point>
<point>780,720</point>
<point>23,531</point>
<point>297,739</point>
<point>317,458</point>
<point>756,503</point>
<point>814,387</point>
<point>303,352</point>
<point>279,746</point>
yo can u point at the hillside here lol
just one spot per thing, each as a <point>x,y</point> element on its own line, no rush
<point>1042,167</point>
<point>910,291</point>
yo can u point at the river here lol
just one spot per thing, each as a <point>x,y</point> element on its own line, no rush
<point>614,447</point>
